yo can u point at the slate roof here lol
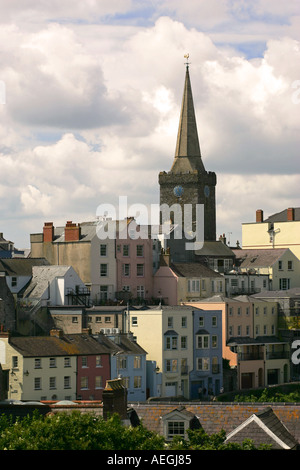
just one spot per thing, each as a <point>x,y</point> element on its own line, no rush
<point>215,248</point>
<point>282,216</point>
<point>258,258</point>
<point>275,294</point>
<point>67,345</point>
<point>21,266</point>
<point>193,270</point>
<point>264,427</point>
<point>41,276</point>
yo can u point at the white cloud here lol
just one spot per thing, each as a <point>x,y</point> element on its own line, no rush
<point>92,110</point>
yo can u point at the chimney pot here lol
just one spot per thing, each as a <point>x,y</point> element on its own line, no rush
<point>290,214</point>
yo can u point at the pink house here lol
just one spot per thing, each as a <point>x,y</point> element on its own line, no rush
<point>134,257</point>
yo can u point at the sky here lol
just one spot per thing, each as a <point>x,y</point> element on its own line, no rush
<point>90,96</point>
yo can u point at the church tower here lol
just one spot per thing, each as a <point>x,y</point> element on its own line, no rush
<point>188,183</point>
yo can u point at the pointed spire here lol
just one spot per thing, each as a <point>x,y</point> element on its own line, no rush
<point>187,153</point>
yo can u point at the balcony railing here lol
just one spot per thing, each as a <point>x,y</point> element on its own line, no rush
<point>255,356</point>
<point>278,355</point>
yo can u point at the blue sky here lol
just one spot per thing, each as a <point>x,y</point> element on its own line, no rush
<point>93,94</point>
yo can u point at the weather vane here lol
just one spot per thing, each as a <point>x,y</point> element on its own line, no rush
<point>187,58</point>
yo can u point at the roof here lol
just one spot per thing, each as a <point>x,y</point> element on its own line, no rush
<point>282,216</point>
<point>264,427</point>
<point>193,270</point>
<point>275,294</point>
<point>259,340</point>
<point>258,258</point>
<point>41,276</point>
<point>67,345</point>
<point>21,266</point>
<point>215,248</point>
<point>187,153</point>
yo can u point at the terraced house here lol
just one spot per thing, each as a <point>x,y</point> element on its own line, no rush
<point>185,343</point>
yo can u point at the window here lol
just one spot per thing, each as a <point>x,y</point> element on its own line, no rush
<point>84,361</point>
<point>13,281</point>
<point>183,342</point>
<point>107,319</point>
<point>98,382</point>
<point>256,310</point>
<point>214,341</point>
<point>230,330</point>
<point>98,319</point>
<point>203,341</point>
<point>203,363</point>
<point>52,383</point>
<point>265,329</point>
<point>247,330</point>
<point>171,365</point>
<point>203,284</point>
<point>15,361</point>
<point>126,270</point>
<point>257,329</point>
<point>170,322</point>
<point>194,285</point>
<point>273,329</point>
<point>137,381</point>
<point>290,265</point>
<point>183,322</point>
<point>265,310</point>
<point>74,319</point>
<point>67,382</point>
<point>140,250</point>
<point>239,311</point>
<point>103,250</point>
<point>103,292</point>
<point>67,362</point>
<point>230,311</point>
<point>38,363</point>
<point>103,270</point>
<point>239,330</point>
<point>125,250</point>
<point>98,361</point>
<point>175,428</point>
<point>280,265</point>
<point>140,291</point>
<point>84,383</point>
<point>284,283</point>
<point>37,383</point>
<point>140,270</point>
<point>171,342</point>
<point>201,321</point>
<point>52,362</point>
<point>247,310</point>
<point>134,321</point>
<point>137,362</point>
<point>122,362</point>
<point>214,321</point>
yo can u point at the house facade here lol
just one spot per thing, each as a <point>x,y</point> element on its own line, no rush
<point>281,264</point>
<point>279,230</point>
<point>55,367</point>
<point>250,340</point>
<point>175,283</point>
<point>182,352</point>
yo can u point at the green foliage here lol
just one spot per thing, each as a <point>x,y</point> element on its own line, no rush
<point>269,395</point>
<point>85,431</point>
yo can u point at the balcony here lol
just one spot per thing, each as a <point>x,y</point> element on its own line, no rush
<point>252,356</point>
<point>278,355</point>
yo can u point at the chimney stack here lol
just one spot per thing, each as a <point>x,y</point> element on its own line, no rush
<point>72,232</point>
<point>259,216</point>
<point>56,333</point>
<point>114,399</point>
<point>290,214</point>
<point>48,231</point>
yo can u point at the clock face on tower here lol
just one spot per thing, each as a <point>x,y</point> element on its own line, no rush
<point>178,191</point>
<point>206,191</point>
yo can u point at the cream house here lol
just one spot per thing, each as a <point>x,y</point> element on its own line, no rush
<point>36,369</point>
<point>281,230</point>
<point>281,264</point>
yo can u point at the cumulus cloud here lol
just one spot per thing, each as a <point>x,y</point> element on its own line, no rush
<point>92,106</point>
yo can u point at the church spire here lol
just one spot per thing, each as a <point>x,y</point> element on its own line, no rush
<point>187,153</point>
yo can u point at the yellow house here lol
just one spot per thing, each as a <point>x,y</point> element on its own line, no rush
<point>281,230</point>
<point>281,264</point>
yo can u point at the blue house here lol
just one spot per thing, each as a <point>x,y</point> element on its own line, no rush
<point>206,379</point>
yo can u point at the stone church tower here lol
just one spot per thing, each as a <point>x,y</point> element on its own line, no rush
<point>188,183</point>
